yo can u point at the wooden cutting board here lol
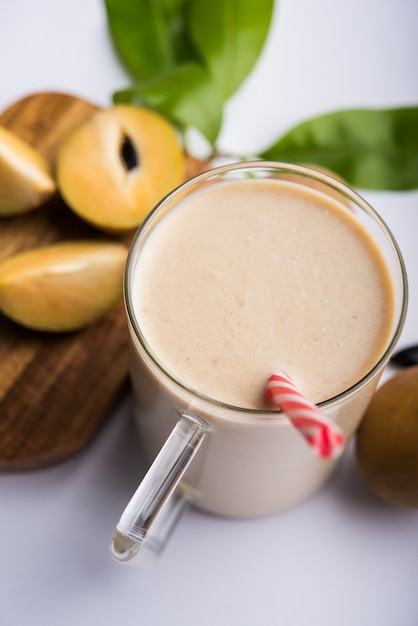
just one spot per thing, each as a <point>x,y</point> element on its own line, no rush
<point>56,390</point>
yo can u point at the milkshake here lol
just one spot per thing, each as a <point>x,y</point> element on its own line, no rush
<point>257,275</point>
<point>240,273</point>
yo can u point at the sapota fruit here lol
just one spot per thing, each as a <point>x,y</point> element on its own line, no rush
<point>114,168</point>
<point>26,180</point>
<point>64,286</point>
<point>387,440</point>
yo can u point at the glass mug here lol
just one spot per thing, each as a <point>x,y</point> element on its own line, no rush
<point>225,459</point>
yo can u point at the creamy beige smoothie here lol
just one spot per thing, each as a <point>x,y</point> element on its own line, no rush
<point>238,280</point>
<point>228,293</point>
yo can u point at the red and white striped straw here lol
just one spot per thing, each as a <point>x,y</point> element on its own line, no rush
<point>321,433</point>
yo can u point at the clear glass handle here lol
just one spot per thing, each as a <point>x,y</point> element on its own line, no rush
<point>156,506</point>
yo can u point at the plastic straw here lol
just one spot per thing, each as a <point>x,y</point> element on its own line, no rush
<point>321,433</point>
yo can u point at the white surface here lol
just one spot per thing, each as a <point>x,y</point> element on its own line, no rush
<point>341,558</point>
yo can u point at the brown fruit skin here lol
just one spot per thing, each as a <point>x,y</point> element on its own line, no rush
<point>387,441</point>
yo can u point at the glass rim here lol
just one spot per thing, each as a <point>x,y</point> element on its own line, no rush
<point>264,166</point>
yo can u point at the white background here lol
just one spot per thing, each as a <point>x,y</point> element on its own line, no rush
<point>341,558</point>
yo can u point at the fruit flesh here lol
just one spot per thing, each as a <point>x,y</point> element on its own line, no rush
<point>25,177</point>
<point>104,187</point>
<point>62,287</point>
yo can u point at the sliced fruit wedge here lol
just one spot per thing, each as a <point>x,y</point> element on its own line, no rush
<point>62,287</point>
<point>26,180</point>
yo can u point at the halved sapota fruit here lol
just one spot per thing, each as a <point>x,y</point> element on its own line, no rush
<point>64,286</point>
<point>26,180</point>
<point>115,167</point>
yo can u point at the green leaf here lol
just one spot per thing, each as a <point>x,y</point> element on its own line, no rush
<point>185,95</point>
<point>188,56</point>
<point>370,149</point>
<point>149,35</point>
<point>229,35</point>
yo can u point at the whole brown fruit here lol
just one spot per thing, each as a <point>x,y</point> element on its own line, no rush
<point>387,441</point>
